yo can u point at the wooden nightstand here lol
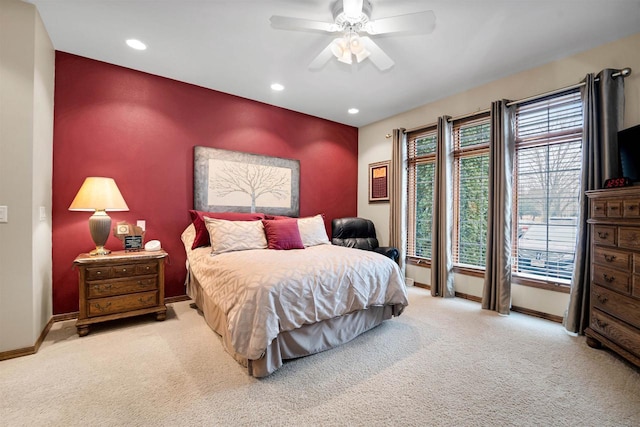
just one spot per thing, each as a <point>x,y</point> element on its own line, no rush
<point>121,284</point>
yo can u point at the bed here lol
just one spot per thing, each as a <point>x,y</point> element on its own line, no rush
<point>270,305</point>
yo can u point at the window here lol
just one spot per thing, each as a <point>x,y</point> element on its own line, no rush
<point>547,186</point>
<point>421,153</point>
<point>471,190</point>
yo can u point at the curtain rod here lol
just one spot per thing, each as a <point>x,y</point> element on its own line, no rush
<point>625,72</point>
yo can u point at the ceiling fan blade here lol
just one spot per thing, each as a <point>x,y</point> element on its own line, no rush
<point>378,57</point>
<point>352,8</point>
<point>423,22</point>
<point>322,58</point>
<point>288,23</point>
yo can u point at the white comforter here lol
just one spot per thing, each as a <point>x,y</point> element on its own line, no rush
<point>263,292</point>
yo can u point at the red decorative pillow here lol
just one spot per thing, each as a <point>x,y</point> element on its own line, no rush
<point>202,235</point>
<point>276,217</point>
<point>283,234</point>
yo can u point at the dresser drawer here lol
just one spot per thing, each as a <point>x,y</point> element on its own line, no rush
<point>118,304</point>
<point>631,208</point>
<point>118,287</point>
<point>618,332</point>
<point>612,257</point>
<point>614,208</point>
<point>598,209</point>
<point>604,235</point>
<point>624,308</point>
<point>629,237</point>
<point>635,288</point>
<point>612,279</point>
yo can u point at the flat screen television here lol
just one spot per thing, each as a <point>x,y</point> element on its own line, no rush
<point>629,150</point>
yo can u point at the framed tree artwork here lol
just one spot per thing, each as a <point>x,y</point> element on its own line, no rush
<point>233,181</point>
<point>379,181</point>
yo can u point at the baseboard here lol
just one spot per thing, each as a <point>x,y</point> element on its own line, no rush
<point>527,311</point>
<point>26,351</point>
<point>179,298</point>
<point>546,316</point>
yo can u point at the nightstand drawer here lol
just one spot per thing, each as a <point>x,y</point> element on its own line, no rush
<point>631,208</point>
<point>142,269</point>
<point>119,287</point>
<point>118,304</point>
<point>124,270</point>
<point>98,273</point>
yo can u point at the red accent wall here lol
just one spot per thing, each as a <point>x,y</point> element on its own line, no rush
<point>140,129</point>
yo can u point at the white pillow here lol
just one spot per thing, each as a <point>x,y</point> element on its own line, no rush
<point>312,231</point>
<point>227,236</point>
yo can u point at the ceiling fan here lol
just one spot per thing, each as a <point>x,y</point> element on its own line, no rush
<point>352,18</point>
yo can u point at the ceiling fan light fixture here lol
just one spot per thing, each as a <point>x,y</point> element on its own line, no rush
<point>362,55</point>
<point>338,47</point>
<point>346,57</point>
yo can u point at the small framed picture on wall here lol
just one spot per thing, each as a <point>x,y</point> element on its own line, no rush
<point>379,181</point>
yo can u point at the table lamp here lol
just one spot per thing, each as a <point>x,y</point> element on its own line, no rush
<point>99,195</point>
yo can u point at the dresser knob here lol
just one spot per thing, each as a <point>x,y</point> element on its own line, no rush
<point>609,258</point>
<point>608,278</point>
<point>603,235</point>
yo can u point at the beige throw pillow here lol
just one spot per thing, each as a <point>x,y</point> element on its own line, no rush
<point>312,231</point>
<point>227,236</point>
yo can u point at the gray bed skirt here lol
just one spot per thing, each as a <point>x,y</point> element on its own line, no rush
<point>306,340</point>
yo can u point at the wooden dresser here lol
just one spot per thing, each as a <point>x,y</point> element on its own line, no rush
<point>121,284</point>
<point>614,312</point>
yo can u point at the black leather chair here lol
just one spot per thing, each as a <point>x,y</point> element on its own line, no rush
<point>359,233</point>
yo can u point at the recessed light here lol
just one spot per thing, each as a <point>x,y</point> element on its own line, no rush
<point>353,111</point>
<point>136,44</point>
<point>277,87</point>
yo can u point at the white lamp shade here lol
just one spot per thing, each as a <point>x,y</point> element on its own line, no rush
<point>100,194</point>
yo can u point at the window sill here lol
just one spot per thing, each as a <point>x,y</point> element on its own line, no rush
<point>419,262</point>
<point>541,284</point>
<point>468,271</point>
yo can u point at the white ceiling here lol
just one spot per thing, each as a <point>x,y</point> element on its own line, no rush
<point>229,46</point>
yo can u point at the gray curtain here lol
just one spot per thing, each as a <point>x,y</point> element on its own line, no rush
<point>496,294</point>
<point>442,228</point>
<point>603,112</point>
<point>397,196</point>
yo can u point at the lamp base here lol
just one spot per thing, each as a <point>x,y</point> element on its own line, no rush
<point>100,250</point>
<point>100,227</point>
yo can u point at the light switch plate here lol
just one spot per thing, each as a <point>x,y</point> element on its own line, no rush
<point>4,214</point>
<point>43,213</point>
<point>142,224</point>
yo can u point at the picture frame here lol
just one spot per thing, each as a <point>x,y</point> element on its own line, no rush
<point>379,181</point>
<point>222,178</point>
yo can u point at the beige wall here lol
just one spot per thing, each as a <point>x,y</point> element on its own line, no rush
<point>26,143</point>
<point>374,147</point>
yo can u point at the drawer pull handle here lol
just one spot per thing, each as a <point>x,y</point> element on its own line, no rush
<point>98,273</point>
<point>101,308</point>
<point>608,278</point>
<point>102,288</point>
<point>598,208</point>
<point>613,208</point>
<point>633,207</point>
<point>146,300</point>
<point>603,299</point>
<point>603,234</point>
<point>609,258</point>
<point>124,270</point>
<point>600,324</point>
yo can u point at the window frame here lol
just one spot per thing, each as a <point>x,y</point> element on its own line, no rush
<point>549,139</point>
<point>413,161</point>
<point>460,153</point>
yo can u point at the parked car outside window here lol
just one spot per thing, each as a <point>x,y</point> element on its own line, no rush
<point>548,249</point>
